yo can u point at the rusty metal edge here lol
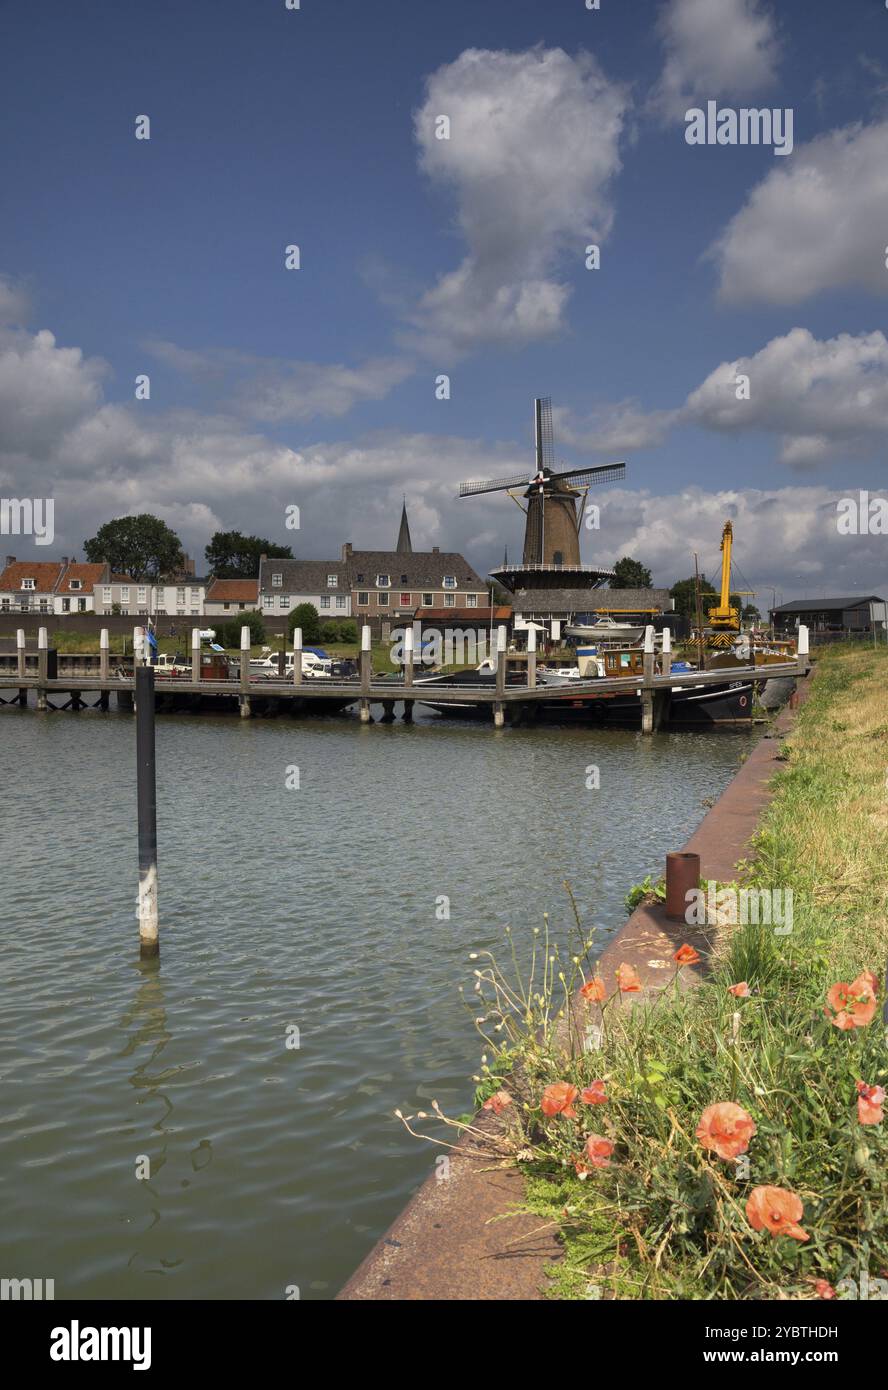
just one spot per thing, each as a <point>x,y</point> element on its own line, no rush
<point>459,1239</point>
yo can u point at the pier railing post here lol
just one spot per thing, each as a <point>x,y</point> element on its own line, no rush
<point>647,691</point>
<point>22,658</point>
<point>104,655</point>
<point>195,656</point>
<point>408,656</point>
<point>531,657</point>
<point>297,656</point>
<point>245,642</point>
<point>42,663</point>
<point>666,656</point>
<point>365,674</point>
<point>146,798</point>
<point>500,660</point>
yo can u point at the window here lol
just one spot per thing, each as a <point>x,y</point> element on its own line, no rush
<point>363,598</point>
<point>383,581</point>
<point>449,581</point>
<point>143,612</point>
<point>66,605</point>
<point>428,600</point>
<point>332,581</point>
<point>404,579</point>
<point>382,600</point>
<point>558,557</point>
<point>75,584</point>
<point>449,600</point>
<point>268,600</point>
<point>277,581</point>
<point>106,593</point>
<point>340,601</point>
<point>28,584</point>
<point>195,595</point>
<point>325,600</point>
<point>195,612</point>
<point>284,601</point>
<point>4,604</point>
<point>405,600</point>
<point>359,579</point>
<point>180,612</point>
<point>24,604</point>
<point>124,594</point>
<point>471,600</point>
<point>142,594</point>
<point>226,606</point>
<point>180,595</point>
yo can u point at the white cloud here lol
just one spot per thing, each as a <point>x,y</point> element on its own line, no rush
<point>44,389</point>
<point>815,223</point>
<point>619,428</point>
<point>786,537</point>
<point>715,49</point>
<point>273,390</point>
<point>532,151</point>
<point>823,399</point>
<point>15,304</point>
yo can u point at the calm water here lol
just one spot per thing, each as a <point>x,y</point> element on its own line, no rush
<point>313,907</point>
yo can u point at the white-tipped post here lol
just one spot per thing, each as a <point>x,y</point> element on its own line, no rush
<point>20,645</point>
<point>531,657</point>
<point>667,652</point>
<point>802,647</point>
<point>297,656</point>
<point>500,659</point>
<point>245,644</point>
<point>195,656</point>
<point>408,656</point>
<point>104,654</point>
<point>365,675</point>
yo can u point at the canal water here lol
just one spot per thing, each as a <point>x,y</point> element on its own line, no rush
<point>309,908</point>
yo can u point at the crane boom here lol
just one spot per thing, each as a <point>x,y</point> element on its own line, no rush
<point>724,617</point>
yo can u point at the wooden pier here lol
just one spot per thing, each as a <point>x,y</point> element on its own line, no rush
<point>654,683</point>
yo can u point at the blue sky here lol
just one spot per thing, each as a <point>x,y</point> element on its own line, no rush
<point>420,256</point>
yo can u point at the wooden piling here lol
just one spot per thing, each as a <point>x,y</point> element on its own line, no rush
<point>146,798</point>
<point>42,663</point>
<point>297,656</point>
<point>666,655</point>
<point>246,637</point>
<point>408,656</point>
<point>21,654</point>
<point>195,656</point>
<point>500,664</point>
<point>365,673</point>
<point>647,694</point>
<point>531,658</point>
<point>104,655</point>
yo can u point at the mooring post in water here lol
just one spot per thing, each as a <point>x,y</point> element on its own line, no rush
<point>666,662</point>
<point>20,648</point>
<point>146,798</point>
<point>531,657</point>
<point>244,697</point>
<point>104,655</point>
<point>500,659</point>
<point>647,694</point>
<point>297,656</point>
<point>42,663</point>
<point>195,656</point>
<point>365,675</point>
<point>408,655</point>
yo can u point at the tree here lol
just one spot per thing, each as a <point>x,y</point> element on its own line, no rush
<point>141,547</point>
<point>630,574</point>
<point>232,555</point>
<point>305,615</point>
<point>228,633</point>
<point>684,593</point>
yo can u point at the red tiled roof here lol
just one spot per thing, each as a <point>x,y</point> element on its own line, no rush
<point>233,591</point>
<point>45,574</point>
<point>89,576</point>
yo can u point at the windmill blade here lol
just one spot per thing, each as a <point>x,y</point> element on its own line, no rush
<point>586,477</point>
<point>492,485</point>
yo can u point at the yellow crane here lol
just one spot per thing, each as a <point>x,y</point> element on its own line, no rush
<point>725,618</point>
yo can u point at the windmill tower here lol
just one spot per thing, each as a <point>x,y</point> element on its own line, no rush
<point>553,520</point>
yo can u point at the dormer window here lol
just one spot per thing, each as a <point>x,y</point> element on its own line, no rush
<point>449,581</point>
<point>383,581</point>
<point>28,584</point>
<point>75,584</point>
<point>277,581</point>
<point>332,581</point>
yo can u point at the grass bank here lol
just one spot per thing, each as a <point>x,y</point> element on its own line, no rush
<point>716,1144</point>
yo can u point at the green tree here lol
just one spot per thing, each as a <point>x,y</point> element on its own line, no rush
<point>684,593</point>
<point>630,574</point>
<point>232,555</point>
<point>141,547</point>
<point>306,616</point>
<point>228,633</point>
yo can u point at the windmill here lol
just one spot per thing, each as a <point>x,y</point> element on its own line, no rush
<point>552,527</point>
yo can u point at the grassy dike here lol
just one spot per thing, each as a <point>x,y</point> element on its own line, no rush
<point>648,1210</point>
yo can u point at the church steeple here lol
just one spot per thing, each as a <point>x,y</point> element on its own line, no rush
<point>404,546</point>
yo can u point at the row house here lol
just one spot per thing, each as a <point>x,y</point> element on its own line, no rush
<point>228,597</point>
<point>56,587</point>
<point>181,597</point>
<point>285,584</point>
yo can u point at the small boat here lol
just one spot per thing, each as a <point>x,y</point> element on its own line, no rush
<point>605,629</point>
